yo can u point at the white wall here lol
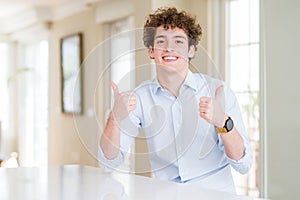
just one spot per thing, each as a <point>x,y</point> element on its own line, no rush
<point>66,145</point>
<point>282,69</point>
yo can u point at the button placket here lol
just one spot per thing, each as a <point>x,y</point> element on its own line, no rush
<point>177,122</point>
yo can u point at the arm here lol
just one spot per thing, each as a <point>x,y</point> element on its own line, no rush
<point>110,139</point>
<point>233,144</point>
<point>211,110</point>
<point>125,102</point>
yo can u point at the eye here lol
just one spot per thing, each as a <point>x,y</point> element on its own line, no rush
<point>160,41</point>
<point>179,42</point>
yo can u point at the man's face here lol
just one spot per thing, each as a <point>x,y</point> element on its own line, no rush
<point>171,50</point>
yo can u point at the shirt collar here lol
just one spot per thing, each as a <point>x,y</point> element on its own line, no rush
<point>189,82</point>
<point>155,85</point>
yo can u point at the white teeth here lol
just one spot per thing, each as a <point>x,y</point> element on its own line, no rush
<point>170,58</point>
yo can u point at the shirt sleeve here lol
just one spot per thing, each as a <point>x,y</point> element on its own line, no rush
<point>129,129</point>
<point>244,164</point>
<point>107,164</point>
<point>232,109</point>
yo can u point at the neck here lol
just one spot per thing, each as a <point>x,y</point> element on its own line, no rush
<point>171,81</point>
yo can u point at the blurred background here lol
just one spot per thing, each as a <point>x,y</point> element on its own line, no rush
<point>253,45</point>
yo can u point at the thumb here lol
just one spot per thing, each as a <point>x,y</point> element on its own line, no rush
<point>114,88</point>
<point>218,92</point>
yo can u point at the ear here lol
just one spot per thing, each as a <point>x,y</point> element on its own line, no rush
<point>151,52</point>
<point>191,52</point>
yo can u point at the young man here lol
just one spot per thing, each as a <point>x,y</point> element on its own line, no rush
<point>192,122</point>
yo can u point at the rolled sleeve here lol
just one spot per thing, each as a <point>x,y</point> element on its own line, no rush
<point>128,131</point>
<point>109,164</point>
<point>244,164</point>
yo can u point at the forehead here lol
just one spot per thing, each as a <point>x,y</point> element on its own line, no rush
<point>161,31</point>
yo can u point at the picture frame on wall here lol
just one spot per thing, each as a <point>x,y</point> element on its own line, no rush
<point>71,74</point>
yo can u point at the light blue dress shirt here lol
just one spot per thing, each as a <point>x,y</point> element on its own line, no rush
<point>182,146</point>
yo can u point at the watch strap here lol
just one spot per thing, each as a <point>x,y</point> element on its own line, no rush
<point>225,129</point>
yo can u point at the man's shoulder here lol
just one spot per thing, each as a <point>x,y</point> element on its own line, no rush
<point>207,79</point>
<point>146,86</point>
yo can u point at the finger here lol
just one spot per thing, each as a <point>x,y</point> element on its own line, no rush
<point>132,96</point>
<point>132,106</point>
<point>206,100</point>
<point>127,98</point>
<point>205,105</point>
<point>128,94</point>
<point>132,99</point>
<point>218,92</point>
<point>204,110</point>
<point>114,87</point>
<point>203,115</point>
<point>206,117</point>
<point>131,103</point>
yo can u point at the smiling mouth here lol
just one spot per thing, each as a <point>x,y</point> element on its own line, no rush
<point>169,58</point>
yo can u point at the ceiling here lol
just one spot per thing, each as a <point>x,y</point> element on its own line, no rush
<point>19,14</point>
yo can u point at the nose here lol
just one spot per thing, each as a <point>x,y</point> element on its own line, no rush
<point>169,47</point>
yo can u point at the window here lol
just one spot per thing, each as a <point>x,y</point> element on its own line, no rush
<point>32,103</point>
<point>242,73</point>
<point>24,101</point>
<point>4,96</point>
<point>121,57</point>
<point>121,64</point>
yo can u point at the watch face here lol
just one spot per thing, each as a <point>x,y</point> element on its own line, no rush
<point>229,124</point>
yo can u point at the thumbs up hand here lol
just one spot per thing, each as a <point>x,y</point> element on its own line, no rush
<point>211,110</point>
<point>125,102</point>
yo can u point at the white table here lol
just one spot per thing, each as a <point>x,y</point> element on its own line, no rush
<point>72,182</point>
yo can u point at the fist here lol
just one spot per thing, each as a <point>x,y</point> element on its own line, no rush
<point>211,110</point>
<point>125,102</point>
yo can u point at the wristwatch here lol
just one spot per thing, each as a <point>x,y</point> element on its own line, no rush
<point>227,127</point>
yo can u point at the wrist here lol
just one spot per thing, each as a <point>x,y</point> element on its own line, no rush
<point>113,119</point>
<point>227,125</point>
<point>224,120</point>
<point>221,121</point>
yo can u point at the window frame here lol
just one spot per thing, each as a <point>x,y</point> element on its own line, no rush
<point>217,45</point>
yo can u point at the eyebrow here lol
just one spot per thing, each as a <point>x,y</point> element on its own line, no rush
<point>176,36</point>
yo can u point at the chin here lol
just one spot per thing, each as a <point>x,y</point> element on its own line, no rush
<point>171,68</point>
